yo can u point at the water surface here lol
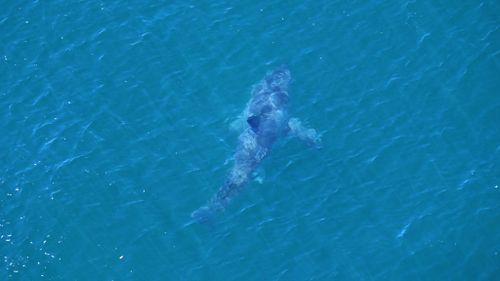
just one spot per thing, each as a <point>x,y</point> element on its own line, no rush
<point>114,126</point>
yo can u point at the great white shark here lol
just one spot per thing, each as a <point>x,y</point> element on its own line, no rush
<point>265,119</point>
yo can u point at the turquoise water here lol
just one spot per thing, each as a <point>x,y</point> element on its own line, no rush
<point>114,127</point>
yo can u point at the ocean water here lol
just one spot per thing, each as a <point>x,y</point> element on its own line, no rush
<point>114,127</point>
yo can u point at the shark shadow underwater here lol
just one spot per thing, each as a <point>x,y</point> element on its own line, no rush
<point>265,120</point>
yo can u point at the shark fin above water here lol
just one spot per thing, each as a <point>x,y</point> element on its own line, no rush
<point>254,121</point>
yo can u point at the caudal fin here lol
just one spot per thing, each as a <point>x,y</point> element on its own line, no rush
<point>203,214</point>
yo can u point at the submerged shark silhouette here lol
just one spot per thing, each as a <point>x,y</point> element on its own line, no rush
<point>266,119</point>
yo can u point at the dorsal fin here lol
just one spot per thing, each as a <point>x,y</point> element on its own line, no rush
<point>254,121</point>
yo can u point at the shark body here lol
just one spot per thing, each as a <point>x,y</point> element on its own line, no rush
<point>265,119</point>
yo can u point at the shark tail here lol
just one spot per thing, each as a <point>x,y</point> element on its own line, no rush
<point>207,213</point>
<point>217,204</point>
<point>203,214</point>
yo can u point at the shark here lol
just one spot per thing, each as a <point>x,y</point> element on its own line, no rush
<point>264,121</point>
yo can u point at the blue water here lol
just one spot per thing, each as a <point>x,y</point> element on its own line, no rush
<point>114,127</point>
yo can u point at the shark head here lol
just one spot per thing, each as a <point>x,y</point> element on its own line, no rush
<point>279,79</point>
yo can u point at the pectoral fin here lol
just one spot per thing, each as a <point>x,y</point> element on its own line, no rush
<point>237,125</point>
<point>307,135</point>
